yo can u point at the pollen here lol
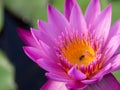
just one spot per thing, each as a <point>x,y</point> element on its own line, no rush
<point>78,51</point>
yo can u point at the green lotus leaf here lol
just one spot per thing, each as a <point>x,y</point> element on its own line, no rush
<point>116,11</point>
<point>117,75</point>
<point>28,10</point>
<point>7,81</point>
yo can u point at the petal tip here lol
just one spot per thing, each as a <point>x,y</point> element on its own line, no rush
<point>109,7</point>
<point>38,23</point>
<point>49,8</point>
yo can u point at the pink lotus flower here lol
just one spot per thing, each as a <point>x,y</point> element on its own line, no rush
<point>77,51</point>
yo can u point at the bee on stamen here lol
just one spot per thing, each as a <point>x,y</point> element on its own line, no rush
<point>81,57</point>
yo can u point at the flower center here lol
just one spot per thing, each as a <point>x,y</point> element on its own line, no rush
<point>83,52</point>
<point>78,52</point>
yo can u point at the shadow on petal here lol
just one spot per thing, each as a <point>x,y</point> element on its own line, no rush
<point>107,83</point>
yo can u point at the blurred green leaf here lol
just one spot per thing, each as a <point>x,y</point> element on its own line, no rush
<point>83,4</point>
<point>117,75</point>
<point>28,10</point>
<point>59,4</point>
<point>1,14</point>
<point>6,74</point>
<point>116,11</point>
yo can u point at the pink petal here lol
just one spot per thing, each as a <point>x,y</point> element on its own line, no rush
<point>59,76</point>
<point>57,20</point>
<point>89,81</point>
<point>42,52</point>
<point>76,74</point>
<point>68,7</point>
<point>93,10</point>
<point>42,59</point>
<point>75,85</point>
<point>27,37</point>
<point>105,70</point>
<point>33,52</point>
<point>102,24</point>
<point>54,85</point>
<point>115,29</point>
<point>46,27</point>
<point>49,65</point>
<point>107,83</point>
<point>42,25</point>
<point>77,20</point>
<point>43,36</point>
<point>115,63</point>
<point>49,51</point>
<point>111,47</point>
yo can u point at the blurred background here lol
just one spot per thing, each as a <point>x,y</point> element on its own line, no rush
<point>17,71</point>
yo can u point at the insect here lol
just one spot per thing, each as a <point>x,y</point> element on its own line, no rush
<point>81,57</point>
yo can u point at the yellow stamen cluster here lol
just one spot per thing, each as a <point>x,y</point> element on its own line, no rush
<point>78,52</point>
